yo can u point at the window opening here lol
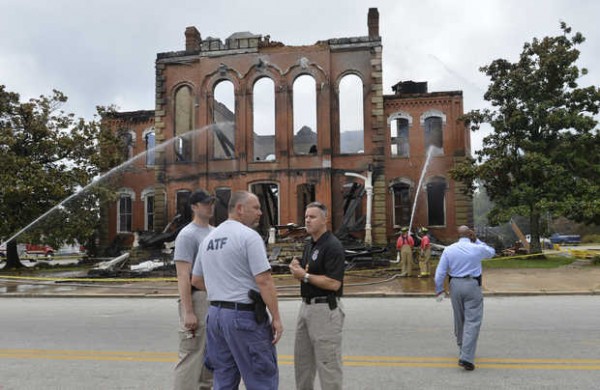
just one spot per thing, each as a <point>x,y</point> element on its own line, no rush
<point>352,137</point>
<point>305,115</point>
<point>264,119</point>
<point>224,118</point>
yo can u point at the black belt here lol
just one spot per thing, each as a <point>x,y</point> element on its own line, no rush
<point>308,301</point>
<point>477,278</point>
<point>233,305</point>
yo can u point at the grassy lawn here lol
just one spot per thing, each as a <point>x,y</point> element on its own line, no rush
<point>547,262</point>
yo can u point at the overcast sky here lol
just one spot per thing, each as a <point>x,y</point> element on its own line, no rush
<point>103,52</point>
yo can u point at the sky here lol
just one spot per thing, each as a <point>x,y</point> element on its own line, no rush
<point>103,52</point>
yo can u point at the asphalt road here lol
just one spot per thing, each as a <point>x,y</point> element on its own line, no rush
<point>389,343</point>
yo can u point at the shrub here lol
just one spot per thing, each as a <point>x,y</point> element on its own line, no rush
<point>590,238</point>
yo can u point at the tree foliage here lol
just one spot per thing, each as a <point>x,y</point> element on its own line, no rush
<point>543,154</point>
<point>46,156</point>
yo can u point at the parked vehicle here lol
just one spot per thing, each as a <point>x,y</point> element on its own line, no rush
<point>558,238</point>
<point>20,249</point>
<point>35,249</point>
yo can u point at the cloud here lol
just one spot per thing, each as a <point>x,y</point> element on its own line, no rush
<point>103,52</point>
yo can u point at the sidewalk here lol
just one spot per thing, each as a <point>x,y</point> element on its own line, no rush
<point>574,279</point>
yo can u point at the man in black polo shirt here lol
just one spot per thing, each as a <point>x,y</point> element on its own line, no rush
<point>318,344</point>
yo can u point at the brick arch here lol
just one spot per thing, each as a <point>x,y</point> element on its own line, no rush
<point>349,72</point>
<point>432,113</point>
<point>222,73</point>
<point>399,115</point>
<point>305,68</point>
<point>182,84</point>
<point>401,180</point>
<point>258,71</point>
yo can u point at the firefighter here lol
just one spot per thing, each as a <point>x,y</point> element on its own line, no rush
<point>425,254</point>
<point>405,244</point>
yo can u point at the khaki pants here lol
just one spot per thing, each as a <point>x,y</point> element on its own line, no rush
<point>406,259</point>
<point>190,372</point>
<point>424,262</point>
<point>318,346</point>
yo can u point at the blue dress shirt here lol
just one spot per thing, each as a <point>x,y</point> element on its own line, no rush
<point>463,258</point>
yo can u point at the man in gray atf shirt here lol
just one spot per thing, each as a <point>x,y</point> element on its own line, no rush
<point>232,260</point>
<point>190,372</point>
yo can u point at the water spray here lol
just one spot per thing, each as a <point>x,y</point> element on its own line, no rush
<point>412,214</point>
<point>119,167</point>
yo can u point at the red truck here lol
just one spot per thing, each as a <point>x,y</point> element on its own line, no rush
<point>36,249</point>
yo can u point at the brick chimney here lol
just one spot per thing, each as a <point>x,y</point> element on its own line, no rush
<point>192,39</point>
<point>373,23</point>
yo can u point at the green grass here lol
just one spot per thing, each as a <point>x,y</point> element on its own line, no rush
<point>545,262</point>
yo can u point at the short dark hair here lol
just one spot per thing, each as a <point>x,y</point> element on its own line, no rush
<point>319,206</point>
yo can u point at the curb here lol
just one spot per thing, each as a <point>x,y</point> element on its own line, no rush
<point>294,297</point>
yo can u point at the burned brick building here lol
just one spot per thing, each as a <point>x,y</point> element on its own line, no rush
<point>323,129</point>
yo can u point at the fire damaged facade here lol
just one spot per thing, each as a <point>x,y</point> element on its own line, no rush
<point>295,144</point>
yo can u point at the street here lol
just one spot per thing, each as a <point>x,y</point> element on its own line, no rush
<point>389,343</point>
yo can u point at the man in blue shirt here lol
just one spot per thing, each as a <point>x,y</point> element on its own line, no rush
<point>462,262</point>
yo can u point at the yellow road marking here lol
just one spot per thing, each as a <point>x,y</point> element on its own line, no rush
<point>288,360</point>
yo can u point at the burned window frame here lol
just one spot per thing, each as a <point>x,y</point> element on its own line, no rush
<point>267,219</point>
<point>221,142</point>
<point>182,146</point>
<point>405,210</point>
<point>430,135</point>
<point>434,200</point>
<point>221,213</point>
<point>125,194</point>
<point>147,195</point>
<point>393,120</point>
<point>148,134</point>
<point>127,138</point>
<point>182,206</point>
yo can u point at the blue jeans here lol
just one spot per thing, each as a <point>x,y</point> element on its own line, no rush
<point>238,345</point>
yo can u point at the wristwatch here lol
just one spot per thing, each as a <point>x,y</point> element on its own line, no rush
<point>306,276</point>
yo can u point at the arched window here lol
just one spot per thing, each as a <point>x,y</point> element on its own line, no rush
<point>221,214</point>
<point>264,119</point>
<point>436,201</point>
<point>183,123</point>
<point>224,118</point>
<point>305,115</point>
<point>125,210</point>
<point>352,135</point>
<point>306,195</point>
<point>148,198</point>
<point>433,122</point>
<point>183,205</point>
<point>402,202</point>
<point>150,140</point>
<point>127,138</point>
<point>268,195</point>
<point>399,129</point>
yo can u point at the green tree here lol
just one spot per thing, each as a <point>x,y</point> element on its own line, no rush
<point>47,156</point>
<point>543,153</point>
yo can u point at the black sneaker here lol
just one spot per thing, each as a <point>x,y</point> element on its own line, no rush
<point>466,365</point>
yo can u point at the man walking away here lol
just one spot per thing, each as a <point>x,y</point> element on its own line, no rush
<point>190,372</point>
<point>318,344</point>
<point>461,261</point>
<point>233,264</point>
